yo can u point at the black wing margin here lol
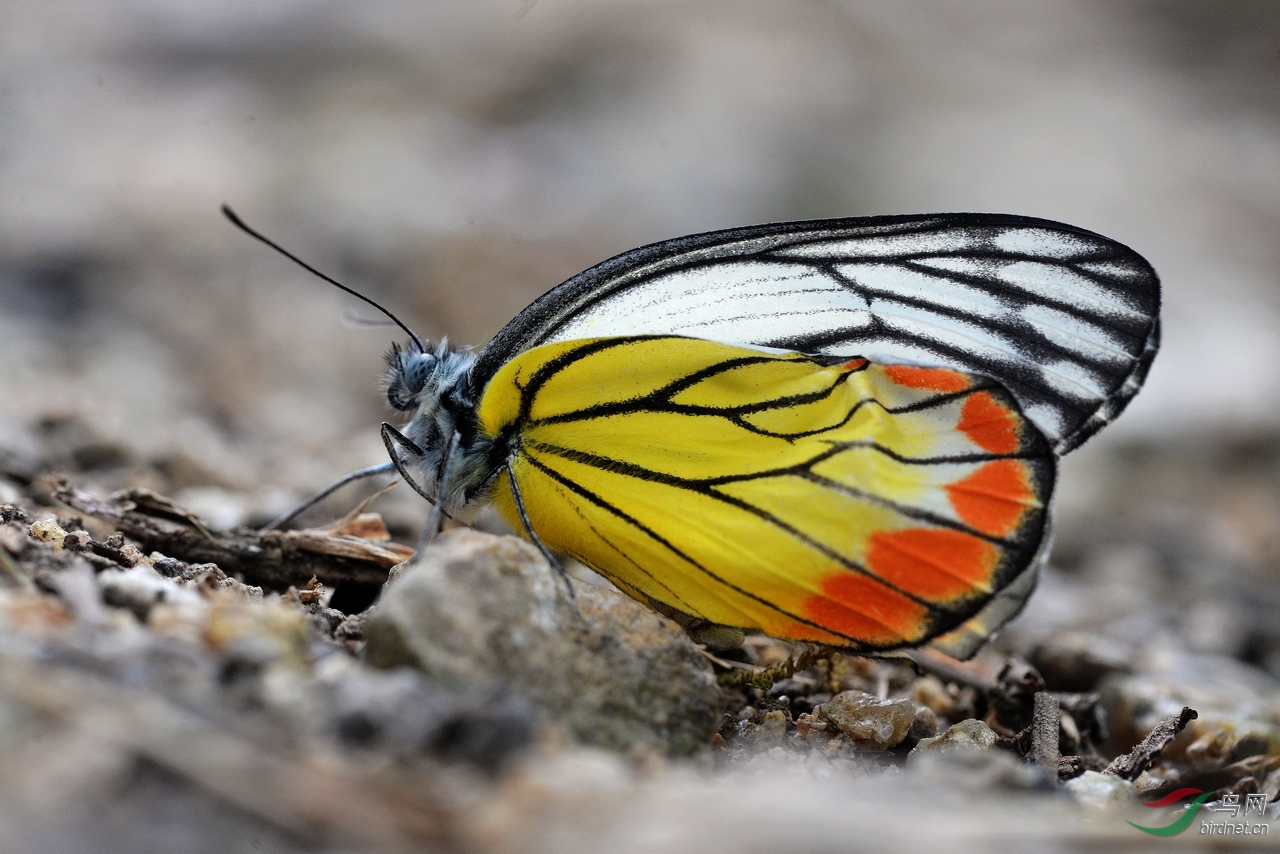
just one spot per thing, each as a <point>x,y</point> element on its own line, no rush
<point>1066,319</point>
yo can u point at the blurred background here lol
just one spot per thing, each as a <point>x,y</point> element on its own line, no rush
<point>454,160</point>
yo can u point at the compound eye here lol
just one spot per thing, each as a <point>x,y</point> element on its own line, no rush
<point>407,377</point>
<point>417,371</point>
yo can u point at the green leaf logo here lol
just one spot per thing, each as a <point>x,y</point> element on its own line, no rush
<point>1183,821</point>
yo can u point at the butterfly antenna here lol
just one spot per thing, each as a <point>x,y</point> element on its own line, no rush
<point>239,223</point>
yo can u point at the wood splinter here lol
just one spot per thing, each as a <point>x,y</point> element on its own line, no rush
<point>273,560</point>
<point>1131,765</point>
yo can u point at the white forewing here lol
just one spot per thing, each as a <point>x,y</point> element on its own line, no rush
<point>1053,283</point>
<point>1071,332</point>
<point>745,301</point>
<point>911,286</point>
<point>1065,319</point>
<point>1040,242</point>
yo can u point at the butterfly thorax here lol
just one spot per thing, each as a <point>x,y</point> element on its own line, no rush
<point>434,386</point>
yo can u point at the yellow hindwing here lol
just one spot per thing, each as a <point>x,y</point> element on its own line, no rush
<point>857,505</point>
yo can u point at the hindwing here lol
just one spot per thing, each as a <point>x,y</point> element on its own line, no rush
<point>864,506</point>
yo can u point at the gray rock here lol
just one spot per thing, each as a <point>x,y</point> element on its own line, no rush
<point>477,612</point>
<point>399,712</point>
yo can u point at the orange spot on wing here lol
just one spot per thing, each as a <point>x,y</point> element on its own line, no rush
<point>860,607</point>
<point>797,631</point>
<point>933,379</point>
<point>933,563</point>
<point>993,498</point>
<point>854,364</point>
<point>990,424</point>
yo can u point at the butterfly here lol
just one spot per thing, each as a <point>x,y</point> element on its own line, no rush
<point>840,431</point>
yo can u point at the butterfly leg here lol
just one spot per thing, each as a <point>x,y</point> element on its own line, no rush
<point>436,518</point>
<point>296,510</point>
<point>391,438</point>
<point>528,526</point>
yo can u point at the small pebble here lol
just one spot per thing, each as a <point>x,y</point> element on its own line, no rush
<point>968,735</point>
<point>48,531</point>
<point>924,725</point>
<point>772,729</point>
<point>870,722</point>
<point>1100,791</point>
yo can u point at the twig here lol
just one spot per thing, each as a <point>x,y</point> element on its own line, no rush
<point>1044,732</point>
<point>948,669</point>
<point>155,504</point>
<point>1131,765</point>
<point>272,559</point>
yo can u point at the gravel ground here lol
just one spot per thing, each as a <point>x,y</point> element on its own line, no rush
<point>166,687</point>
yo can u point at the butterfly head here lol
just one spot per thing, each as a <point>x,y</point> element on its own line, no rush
<point>431,386</point>
<point>409,369</point>
<point>418,378</point>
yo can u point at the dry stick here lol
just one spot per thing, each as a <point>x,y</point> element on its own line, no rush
<point>272,559</point>
<point>1044,732</point>
<point>1131,765</point>
<point>946,668</point>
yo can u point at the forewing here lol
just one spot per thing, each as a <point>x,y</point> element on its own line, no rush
<point>1063,318</point>
<point>862,506</point>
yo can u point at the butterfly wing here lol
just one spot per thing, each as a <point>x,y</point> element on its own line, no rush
<point>1063,318</point>
<point>858,505</point>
